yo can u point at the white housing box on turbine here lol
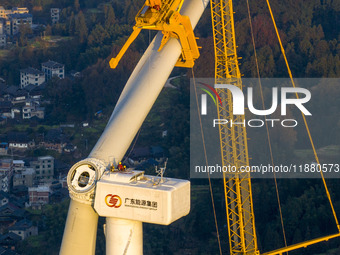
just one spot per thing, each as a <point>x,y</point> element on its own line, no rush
<point>135,196</point>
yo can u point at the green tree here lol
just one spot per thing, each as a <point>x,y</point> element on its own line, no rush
<point>81,28</point>
<point>110,16</point>
<point>37,3</point>
<point>71,24</point>
<point>48,30</point>
<point>97,36</point>
<point>76,5</point>
<point>24,30</point>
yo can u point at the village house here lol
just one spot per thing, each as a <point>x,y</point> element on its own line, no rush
<point>3,37</point>
<point>18,19</point>
<point>24,228</point>
<point>9,241</point>
<point>19,141</point>
<point>6,109</point>
<point>3,148</point>
<point>25,178</point>
<point>39,196</point>
<point>54,140</point>
<point>53,69</point>
<point>14,18</point>
<point>9,214</point>
<point>18,166</point>
<point>4,198</point>
<point>44,168</point>
<point>33,109</point>
<point>55,15</point>
<point>6,173</point>
<point>15,94</point>
<point>31,76</point>
<point>35,92</point>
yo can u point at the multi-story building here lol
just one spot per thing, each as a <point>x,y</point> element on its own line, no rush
<point>17,20</point>
<point>2,26</point>
<point>39,196</point>
<point>6,173</point>
<point>3,37</point>
<point>2,12</point>
<point>44,168</point>
<point>22,175</point>
<point>12,19</point>
<point>55,15</point>
<point>6,166</point>
<point>18,166</point>
<point>6,24</point>
<point>25,178</point>
<point>31,76</point>
<point>3,40</point>
<point>51,68</point>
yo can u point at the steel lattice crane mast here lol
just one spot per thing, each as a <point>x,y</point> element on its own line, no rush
<point>233,139</point>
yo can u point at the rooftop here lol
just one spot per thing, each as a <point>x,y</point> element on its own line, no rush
<point>6,160</point>
<point>9,239</point>
<point>34,88</point>
<point>4,251</point>
<point>21,225</point>
<point>18,137</point>
<point>54,136</point>
<point>29,171</point>
<point>18,161</point>
<point>3,194</point>
<point>19,9</point>
<point>20,15</point>
<point>12,90</point>
<point>140,152</point>
<point>20,93</point>
<point>45,158</point>
<point>11,210</point>
<point>31,70</point>
<point>40,189</point>
<point>5,104</point>
<point>52,64</point>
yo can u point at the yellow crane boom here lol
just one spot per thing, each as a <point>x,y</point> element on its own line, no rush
<point>234,149</point>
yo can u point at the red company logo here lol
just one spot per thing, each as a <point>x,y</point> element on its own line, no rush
<point>113,201</point>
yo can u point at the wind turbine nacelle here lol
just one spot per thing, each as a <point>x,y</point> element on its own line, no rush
<point>134,196</point>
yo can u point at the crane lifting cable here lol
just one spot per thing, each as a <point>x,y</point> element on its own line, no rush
<point>304,118</point>
<point>206,162</point>
<point>317,240</point>
<point>266,124</point>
